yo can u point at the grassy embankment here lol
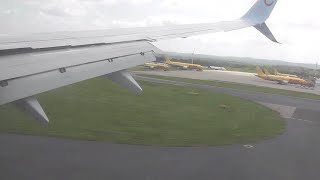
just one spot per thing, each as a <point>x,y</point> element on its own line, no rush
<point>162,115</point>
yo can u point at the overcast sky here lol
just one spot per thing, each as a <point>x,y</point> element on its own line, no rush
<point>295,23</point>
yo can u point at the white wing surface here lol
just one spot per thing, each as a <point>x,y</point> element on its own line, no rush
<point>36,63</point>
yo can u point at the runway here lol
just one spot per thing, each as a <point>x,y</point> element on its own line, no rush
<point>293,155</point>
<point>230,76</point>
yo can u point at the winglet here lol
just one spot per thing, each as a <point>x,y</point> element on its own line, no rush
<point>260,11</point>
<point>258,14</point>
<point>266,71</point>
<point>260,72</point>
<point>263,28</point>
<point>167,59</point>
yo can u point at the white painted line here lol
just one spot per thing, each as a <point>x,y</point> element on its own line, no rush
<point>302,120</point>
<point>285,111</point>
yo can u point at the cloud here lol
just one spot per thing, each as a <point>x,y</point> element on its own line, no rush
<point>141,1</point>
<point>294,23</point>
<point>65,8</point>
<point>9,11</point>
<point>54,11</point>
<point>152,21</point>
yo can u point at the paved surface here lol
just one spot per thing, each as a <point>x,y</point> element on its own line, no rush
<point>291,156</point>
<point>255,96</point>
<point>231,76</point>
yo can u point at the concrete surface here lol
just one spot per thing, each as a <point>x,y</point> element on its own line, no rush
<point>230,76</point>
<point>291,156</point>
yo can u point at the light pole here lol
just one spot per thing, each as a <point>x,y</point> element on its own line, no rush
<point>315,72</point>
<point>192,56</point>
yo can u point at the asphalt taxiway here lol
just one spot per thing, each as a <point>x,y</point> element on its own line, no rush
<point>231,76</point>
<point>291,156</point>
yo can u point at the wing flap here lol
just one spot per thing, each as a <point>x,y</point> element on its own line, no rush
<point>15,66</point>
<point>23,86</point>
<point>36,63</point>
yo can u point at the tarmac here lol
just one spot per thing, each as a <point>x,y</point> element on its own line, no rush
<point>293,155</point>
<point>231,76</point>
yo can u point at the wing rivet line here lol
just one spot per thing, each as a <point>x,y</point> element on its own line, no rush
<point>62,70</point>
<point>4,83</point>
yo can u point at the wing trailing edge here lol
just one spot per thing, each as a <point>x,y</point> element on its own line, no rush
<point>29,80</point>
<point>39,63</point>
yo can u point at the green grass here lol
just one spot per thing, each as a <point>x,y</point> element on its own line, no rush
<point>139,68</point>
<point>162,115</point>
<point>240,86</point>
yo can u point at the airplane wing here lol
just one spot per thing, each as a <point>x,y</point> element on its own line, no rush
<point>36,63</point>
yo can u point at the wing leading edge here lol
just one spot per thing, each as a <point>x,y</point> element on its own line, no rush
<point>257,15</point>
<point>33,64</point>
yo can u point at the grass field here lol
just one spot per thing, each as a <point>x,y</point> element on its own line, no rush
<point>240,86</point>
<point>162,115</point>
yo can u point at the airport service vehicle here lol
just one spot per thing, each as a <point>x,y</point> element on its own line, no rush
<point>37,63</point>
<point>217,68</point>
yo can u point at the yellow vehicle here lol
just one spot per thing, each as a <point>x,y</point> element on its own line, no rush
<point>157,66</point>
<point>283,79</point>
<point>185,66</point>
<point>281,74</point>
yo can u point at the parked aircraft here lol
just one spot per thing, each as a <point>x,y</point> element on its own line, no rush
<point>36,63</point>
<point>265,71</point>
<point>283,79</point>
<point>281,74</point>
<point>156,66</point>
<point>185,66</point>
